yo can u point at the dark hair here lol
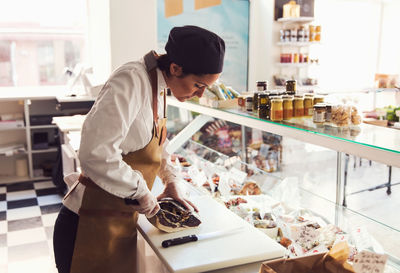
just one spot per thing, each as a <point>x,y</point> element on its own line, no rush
<point>164,63</point>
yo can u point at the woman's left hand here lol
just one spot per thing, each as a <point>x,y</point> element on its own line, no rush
<point>174,190</point>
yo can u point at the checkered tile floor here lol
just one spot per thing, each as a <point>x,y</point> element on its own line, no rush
<point>27,215</point>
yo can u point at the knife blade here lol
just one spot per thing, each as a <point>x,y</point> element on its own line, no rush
<point>198,237</point>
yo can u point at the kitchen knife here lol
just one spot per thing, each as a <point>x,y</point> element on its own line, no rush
<point>194,237</point>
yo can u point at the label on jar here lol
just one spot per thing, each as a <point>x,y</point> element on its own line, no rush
<point>310,111</point>
<point>249,105</point>
<point>287,113</point>
<point>263,101</point>
<point>299,112</point>
<point>319,116</point>
<point>277,115</point>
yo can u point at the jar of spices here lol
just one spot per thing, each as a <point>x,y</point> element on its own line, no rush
<point>291,86</point>
<point>319,99</point>
<point>262,85</point>
<point>263,110</point>
<point>287,107</point>
<point>298,106</point>
<point>276,109</point>
<point>308,105</point>
<point>319,113</point>
<point>328,114</point>
<point>249,103</point>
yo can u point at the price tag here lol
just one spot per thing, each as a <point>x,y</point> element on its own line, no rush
<point>368,262</point>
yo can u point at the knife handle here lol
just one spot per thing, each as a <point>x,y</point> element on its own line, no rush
<point>179,240</point>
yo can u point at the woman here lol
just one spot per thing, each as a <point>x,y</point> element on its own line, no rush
<point>121,153</point>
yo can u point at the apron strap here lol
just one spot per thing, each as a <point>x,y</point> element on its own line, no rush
<point>151,67</point>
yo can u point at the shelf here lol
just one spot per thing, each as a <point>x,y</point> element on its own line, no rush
<point>49,150</point>
<point>367,141</point>
<point>298,44</point>
<point>43,126</point>
<point>296,65</point>
<point>303,20</point>
<point>13,178</point>
<point>36,178</point>
<point>12,129</point>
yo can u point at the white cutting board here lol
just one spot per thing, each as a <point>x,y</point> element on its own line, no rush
<point>247,246</point>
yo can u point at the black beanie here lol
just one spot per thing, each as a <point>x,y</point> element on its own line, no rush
<point>196,49</point>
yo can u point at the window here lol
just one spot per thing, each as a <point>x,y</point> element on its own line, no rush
<point>39,39</point>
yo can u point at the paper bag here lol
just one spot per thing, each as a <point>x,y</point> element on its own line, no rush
<point>332,262</point>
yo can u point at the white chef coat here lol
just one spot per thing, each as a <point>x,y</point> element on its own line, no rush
<point>120,121</point>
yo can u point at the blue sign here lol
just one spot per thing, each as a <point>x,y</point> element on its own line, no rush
<point>227,18</point>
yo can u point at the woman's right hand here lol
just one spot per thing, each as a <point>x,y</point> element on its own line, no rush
<point>148,205</point>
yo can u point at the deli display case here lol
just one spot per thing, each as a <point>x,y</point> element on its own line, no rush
<point>295,221</point>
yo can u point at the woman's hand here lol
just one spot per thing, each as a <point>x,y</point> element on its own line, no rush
<point>174,190</point>
<point>148,205</point>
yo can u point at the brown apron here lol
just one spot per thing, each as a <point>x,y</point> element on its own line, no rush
<point>106,237</point>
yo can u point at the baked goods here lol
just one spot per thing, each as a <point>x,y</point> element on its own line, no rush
<point>174,217</point>
<point>355,117</point>
<point>341,115</point>
<point>235,202</point>
<point>250,188</point>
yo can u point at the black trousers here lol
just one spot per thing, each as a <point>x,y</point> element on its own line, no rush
<point>65,230</point>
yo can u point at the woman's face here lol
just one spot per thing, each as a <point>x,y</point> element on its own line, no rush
<point>186,87</point>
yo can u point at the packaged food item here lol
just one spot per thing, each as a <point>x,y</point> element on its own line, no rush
<point>355,117</point>
<point>249,103</point>
<point>291,87</point>
<point>287,107</point>
<point>318,33</point>
<point>255,101</point>
<point>276,109</point>
<point>298,105</point>
<point>300,34</point>
<point>291,9</point>
<point>328,115</point>
<point>242,102</point>
<point>262,85</point>
<point>319,113</point>
<point>250,188</point>
<point>319,99</point>
<point>295,57</point>
<point>308,105</point>
<point>311,29</point>
<point>263,110</point>
<point>341,115</point>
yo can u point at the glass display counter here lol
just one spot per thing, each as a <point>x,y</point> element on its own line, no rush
<point>375,143</point>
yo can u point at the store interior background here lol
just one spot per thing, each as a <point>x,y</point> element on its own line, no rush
<point>359,39</point>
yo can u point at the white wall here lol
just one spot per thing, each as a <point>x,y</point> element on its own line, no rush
<point>119,31</point>
<point>261,42</point>
<point>133,29</point>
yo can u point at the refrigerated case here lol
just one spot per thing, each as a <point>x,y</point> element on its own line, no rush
<point>280,189</point>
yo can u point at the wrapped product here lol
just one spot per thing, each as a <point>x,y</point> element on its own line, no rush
<point>341,115</point>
